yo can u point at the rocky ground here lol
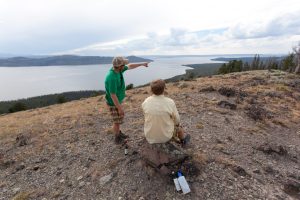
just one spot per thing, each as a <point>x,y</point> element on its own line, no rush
<point>245,142</point>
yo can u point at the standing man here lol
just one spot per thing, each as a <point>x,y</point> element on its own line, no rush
<point>115,93</point>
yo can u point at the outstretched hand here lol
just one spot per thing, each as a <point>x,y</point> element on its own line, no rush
<point>146,64</point>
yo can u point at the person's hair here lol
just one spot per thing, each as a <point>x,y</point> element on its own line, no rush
<point>119,61</point>
<point>158,86</point>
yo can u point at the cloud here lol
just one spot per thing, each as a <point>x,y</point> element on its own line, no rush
<point>110,27</point>
<point>57,25</point>
<point>273,35</point>
<point>288,24</point>
<point>175,41</point>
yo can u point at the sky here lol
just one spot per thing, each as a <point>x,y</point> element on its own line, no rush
<point>148,27</point>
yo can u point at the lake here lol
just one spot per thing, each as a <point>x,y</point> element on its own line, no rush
<point>24,82</point>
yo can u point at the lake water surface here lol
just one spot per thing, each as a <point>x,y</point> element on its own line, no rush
<point>23,82</point>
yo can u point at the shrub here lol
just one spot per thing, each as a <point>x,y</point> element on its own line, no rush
<point>129,87</point>
<point>288,62</point>
<point>61,99</point>
<point>19,106</point>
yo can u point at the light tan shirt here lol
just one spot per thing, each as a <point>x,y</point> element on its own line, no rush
<point>161,116</point>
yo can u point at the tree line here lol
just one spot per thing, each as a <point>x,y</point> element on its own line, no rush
<point>45,100</point>
<point>290,63</point>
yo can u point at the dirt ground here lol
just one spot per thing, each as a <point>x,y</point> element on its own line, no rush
<point>245,130</point>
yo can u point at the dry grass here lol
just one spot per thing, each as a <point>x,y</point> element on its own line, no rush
<point>261,126</point>
<point>22,196</point>
<point>2,184</point>
<point>200,125</point>
<point>113,163</point>
<point>97,170</point>
<point>282,87</point>
<point>292,76</point>
<point>109,131</point>
<point>225,161</point>
<point>254,130</point>
<point>281,122</point>
<point>37,121</point>
<point>56,194</point>
<point>218,110</point>
<point>219,147</point>
<point>200,158</point>
<point>138,122</point>
<point>258,89</point>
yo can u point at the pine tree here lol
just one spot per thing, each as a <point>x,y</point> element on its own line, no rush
<point>288,62</point>
<point>297,58</point>
<point>256,63</point>
<point>61,99</point>
<point>19,106</point>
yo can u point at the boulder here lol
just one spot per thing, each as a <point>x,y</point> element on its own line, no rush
<point>226,104</point>
<point>163,157</point>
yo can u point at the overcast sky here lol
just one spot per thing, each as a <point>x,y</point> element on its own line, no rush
<point>148,27</point>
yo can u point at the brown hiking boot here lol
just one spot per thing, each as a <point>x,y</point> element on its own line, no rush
<point>123,136</point>
<point>119,139</point>
<point>185,140</point>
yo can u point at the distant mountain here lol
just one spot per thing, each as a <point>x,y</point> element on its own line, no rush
<point>62,60</point>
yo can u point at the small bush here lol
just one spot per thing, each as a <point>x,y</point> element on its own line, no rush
<point>19,106</point>
<point>257,113</point>
<point>129,87</point>
<point>22,196</point>
<point>61,99</point>
<point>229,92</point>
<point>190,76</point>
